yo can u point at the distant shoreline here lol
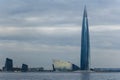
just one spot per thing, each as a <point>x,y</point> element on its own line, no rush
<point>64,72</point>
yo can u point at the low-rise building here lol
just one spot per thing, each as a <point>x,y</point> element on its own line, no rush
<point>24,68</point>
<point>59,65</point>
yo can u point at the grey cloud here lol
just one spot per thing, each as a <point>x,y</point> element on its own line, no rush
<point>62,36</point>
<point>105,40</point>
<point>38,38</point>
<point>13,12</point>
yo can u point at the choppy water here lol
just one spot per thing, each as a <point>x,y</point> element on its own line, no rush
<point>59,76</point>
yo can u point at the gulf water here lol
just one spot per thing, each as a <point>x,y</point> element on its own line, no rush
<point>60,76</point>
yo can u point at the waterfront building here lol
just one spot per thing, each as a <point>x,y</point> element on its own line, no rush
<point>106,69</point>
<point>16,69</point>
<point>39,69</point>
<point>8,65</point>
<point>85,44</point>
<point>24,68</point>
<point>59,65</point>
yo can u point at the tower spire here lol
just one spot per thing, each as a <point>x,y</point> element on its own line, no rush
<point>85,11</point>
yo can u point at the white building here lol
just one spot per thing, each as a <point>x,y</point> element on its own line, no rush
<point>62,65</point>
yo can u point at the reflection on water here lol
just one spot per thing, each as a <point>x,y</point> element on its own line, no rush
<point>85,76</point>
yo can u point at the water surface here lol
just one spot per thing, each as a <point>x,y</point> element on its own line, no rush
<point>59,76</point>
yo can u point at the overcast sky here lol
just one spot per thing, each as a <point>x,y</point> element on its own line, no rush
<point>37,31</point>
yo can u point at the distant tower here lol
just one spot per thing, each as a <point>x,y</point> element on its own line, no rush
<point>8,65</point>
<point>85,45</point>
<point>24,67</point>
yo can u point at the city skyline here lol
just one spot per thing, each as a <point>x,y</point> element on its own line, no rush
<point>36,32</point>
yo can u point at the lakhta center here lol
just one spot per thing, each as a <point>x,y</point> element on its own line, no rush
<point>85,44</point>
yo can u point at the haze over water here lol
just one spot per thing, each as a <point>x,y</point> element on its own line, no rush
<point>59,76</point>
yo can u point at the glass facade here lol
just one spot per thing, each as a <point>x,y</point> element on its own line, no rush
<point>85,45</point>
<point>8,65</point>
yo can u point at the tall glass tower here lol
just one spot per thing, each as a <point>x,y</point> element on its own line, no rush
<point>85,44</point>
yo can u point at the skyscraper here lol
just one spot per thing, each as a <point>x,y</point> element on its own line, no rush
<point>85,45</point>
<point>8,65</point>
